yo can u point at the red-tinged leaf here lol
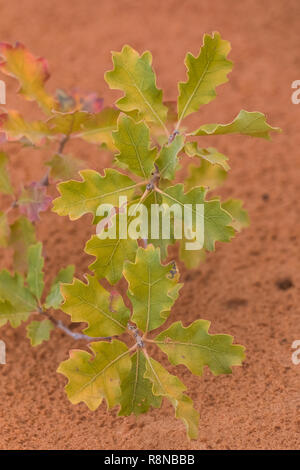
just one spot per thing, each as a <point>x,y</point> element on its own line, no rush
<point>33,200</point>
<point>65,100</point>
<point>15,128</point>
<point>76,100</point>
<point>91,103</point>
<point>30,71</point>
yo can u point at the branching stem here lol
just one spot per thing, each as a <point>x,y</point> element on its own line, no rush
<point>78,336</point>
<point>138,338</point>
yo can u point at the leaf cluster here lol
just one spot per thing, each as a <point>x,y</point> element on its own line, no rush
<point>149,139</point>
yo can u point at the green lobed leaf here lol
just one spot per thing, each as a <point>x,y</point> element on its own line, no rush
<point>22,235</point>
<point>205,73</point>
<point>64,167</point>
<point>54,299</point>
<point>191,258</point>
<point>16,300</point>
<point>98,129</point>
<point>110,255</point>
<point>240,216</point>
<point>35,275</point>
<point>68,123</point>
<point>81,197</point>
<point>208,175</point>
<point>133,142</point>
<point>252,124</point>
<point>167,161</point>
<point>93,304</point>
<point>194,347</point>
<point>216,220</point>
<point>137,396</point>
<point>133,75</point>
<point>94,377</point>
<point>39,331</point>
<point>169,386</point>
<point>151,289</point>
<point>5,184</point>
<point>209,154</point>
<point>155,198</point>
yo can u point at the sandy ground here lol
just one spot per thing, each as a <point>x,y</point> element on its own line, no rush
<point>240,288</point>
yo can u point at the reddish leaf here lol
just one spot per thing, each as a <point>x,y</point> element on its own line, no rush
<point>91,102</point>
<point>76,100</point>
<point>33,200</point>
<point>31,72</point>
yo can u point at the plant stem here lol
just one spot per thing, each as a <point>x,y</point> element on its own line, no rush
<point>59,324</point>
<point>63,143</point>
<point>45,179</point>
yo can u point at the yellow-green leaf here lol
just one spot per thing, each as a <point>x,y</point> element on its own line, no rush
<point>22,235</point>
<point>205,73</point>
<point>64,167</point>
<point>169,386</point>
<point>54,299</point>
<point>16,301</point>
<point>15,315</point>
<point>216,221</point>
<point>91,303</point>
<point>191,258</point>
<point>5,184</point>
<point>81,197</point>
<point>152,290</point>
<point>94,377</point>
<point>134,75</point>
<point>209,154</point>
<point>68,123</point>
<point>133,142</point>
<point>253,124</point>
<point>239,215</point>
<point>31,72</point>
<point>35,275</point>
<point>167,161</point>
<point>150,201</point>
<point>194,347</point>
<point>110,256</point>
<point>39,331</point>
<point>98,129</point>
<point>210,176</point>
<point>16,128</point>
<point>137,396</point>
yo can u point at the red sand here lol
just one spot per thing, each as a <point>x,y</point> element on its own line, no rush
<point>237,289</point>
